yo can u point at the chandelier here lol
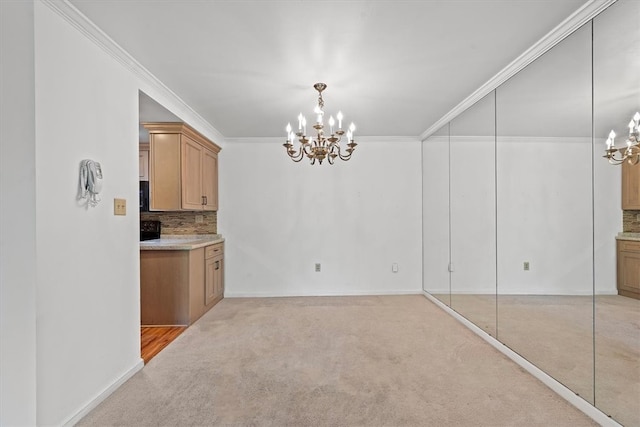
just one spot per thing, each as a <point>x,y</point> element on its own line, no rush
<point>319,147</point>
<point>631,151</point>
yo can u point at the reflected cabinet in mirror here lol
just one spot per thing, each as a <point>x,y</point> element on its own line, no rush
<point>522,214</point>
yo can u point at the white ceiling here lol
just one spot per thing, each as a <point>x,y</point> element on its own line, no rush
<point>392,67</point>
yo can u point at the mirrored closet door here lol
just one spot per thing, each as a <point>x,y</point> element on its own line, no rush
<point>517,198</point>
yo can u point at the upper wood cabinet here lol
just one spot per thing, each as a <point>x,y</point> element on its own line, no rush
<point>183,168</point>
<point>630,187</point>
<point>210,179</point>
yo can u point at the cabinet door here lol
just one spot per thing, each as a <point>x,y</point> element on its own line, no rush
<point>629,269</point>
<point>218,276</point>
<point>210,179</point>
<point>144,165</point>
<point>209,281</point>
<point>630,186</point>
<point>192,194</point>
<point>164,172</point>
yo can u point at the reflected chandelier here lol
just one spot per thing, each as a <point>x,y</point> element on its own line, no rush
<point>319,147</point>
<point>630,152</point>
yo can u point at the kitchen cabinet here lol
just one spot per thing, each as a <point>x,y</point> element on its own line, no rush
<point>144,162</point>
<point>210,179</point>
<point>628,268</point>
<point>630,187</point>
<point>178,286</point>
<point>214,273</point>
<point>183,169</point>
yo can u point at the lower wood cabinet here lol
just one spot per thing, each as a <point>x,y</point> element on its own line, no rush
<point>179,286</point>
<point>214,277</point>
<point>629,268</point>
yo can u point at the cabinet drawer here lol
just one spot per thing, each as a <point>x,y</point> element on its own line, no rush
<point>213,250</point>
<point>629,245</point>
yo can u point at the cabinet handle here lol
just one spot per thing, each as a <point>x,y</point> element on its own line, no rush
<point>217,265</point>
<point>206,201</point>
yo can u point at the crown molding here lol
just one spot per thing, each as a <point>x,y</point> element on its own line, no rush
<point>503,140</point>
<point>581,16</point>
<point>91,31</point>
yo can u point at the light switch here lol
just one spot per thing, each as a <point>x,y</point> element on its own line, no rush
<point>119,206</point>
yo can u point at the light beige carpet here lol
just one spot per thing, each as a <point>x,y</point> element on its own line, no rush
<point>332,361</point>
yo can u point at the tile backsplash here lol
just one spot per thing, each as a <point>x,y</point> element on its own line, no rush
<point>184,222</point>
<point>630,222</point>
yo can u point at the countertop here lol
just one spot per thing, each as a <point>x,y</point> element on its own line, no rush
<point>178,242</point>
<point>628,236</point>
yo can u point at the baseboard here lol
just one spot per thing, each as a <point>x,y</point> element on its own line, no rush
<point>103,395</point>
<point>564,392</point>
<point>317,294</point>
<point>481,292</point>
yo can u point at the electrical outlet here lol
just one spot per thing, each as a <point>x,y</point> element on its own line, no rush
<point>199,219</point>
<point>317,267</point>
<point>119,206</point>
<point>526,266</point>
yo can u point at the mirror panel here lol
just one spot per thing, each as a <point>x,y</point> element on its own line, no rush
<point>545,212</point>
<point>435,211</point>
<point>616,87</point>
<point>473,214</point>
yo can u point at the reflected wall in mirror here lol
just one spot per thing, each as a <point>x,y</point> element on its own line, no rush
<point>435,211</point>
<point>545,211</point>
<point>616,87</point>
<point>473,214</point>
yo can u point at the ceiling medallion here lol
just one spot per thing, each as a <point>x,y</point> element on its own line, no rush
<point>319,146</point>
<point>629,152</point>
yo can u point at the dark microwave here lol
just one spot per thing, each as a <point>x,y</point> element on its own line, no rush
<point>144,196</point>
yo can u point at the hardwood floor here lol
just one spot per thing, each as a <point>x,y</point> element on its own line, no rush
<point>153,339</point>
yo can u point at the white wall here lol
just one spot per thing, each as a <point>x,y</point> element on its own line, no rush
<point>17,216</point>
<point>356,218</point>
<point>88,261</point>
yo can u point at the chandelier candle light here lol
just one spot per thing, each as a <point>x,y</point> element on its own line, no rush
<point>631,151</point>
<point>320,147</point>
